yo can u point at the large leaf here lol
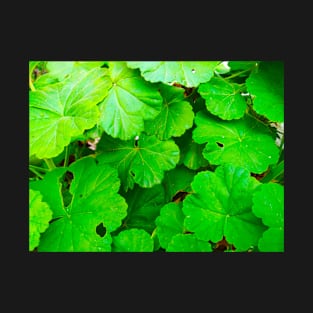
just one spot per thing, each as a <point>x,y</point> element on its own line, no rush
<point>187,73</point>
<point>221,205</point>
<point>223,98</point>
<point>266,85</point>
<point>64,110</point>
<point>94,202</point>
<point>176,115</point>
<point>141,161</point>
<point>268,204</point>
<point>39,217</point>
<point>130,101</point>
<point>245,142</point>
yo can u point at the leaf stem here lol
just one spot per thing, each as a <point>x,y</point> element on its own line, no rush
<point>37,168</point>
<point>67,156</point>
<point>35,172</point>
<point>50,164</point>
<point>32,87</point>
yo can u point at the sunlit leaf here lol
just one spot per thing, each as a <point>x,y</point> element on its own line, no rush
<point>186,73</point>
<point>130,101</point>
<point>64,110</point>
<point>188,243</point>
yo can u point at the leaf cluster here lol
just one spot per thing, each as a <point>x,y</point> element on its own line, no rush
<point>129,156</point>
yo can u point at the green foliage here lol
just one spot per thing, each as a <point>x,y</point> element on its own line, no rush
<point>156,156</point>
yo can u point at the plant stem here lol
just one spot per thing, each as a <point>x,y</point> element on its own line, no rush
<point>32,87</point>
<point>37,168</point>
<point>35,172</point>
<point>50,164</point>
<point>67,156</point>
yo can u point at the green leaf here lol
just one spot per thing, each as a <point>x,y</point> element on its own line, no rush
<point>169,223</point>
<point>130,101</point>
<point>187,73</point>
<point>242,65</point>
<point>191,153</point>
<point>95,201</point>
<point>177,180</point>
<point>268,204</point>
<point>221,205</point>
<point>39,217</point>
<point>266,85</point>
<point>133,240</point>
<point>144,206</point>
<point>245,142</point>
<point>188,243</point>
<point>141,161</point>
<point>64,110</point>
<point>223,98</point>
<point>176,115</point>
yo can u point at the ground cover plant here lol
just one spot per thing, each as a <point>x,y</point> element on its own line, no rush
<point>162,156</point>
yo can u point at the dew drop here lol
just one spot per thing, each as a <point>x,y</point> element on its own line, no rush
<point>193,71</point>
<point>269,157</point>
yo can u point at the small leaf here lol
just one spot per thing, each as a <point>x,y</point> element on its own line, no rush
<point>133,240</point>
<point>223,98</point>
<point>187,73</point>
<point>266,85</point>
<point>39,217</point>
<point>176,115</point>
<point>141,161</point>
<point>268,204</point>
<point>188,243</point>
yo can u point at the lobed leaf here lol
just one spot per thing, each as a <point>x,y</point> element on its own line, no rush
<point>221,205</point>
<point>188,243</point>
<point>141,161</point>
<point>223,98</point>
<point>94,202</point>
<point>176,115</point>
<point>245,142</point>
<point>64,110</point>
<point>187,73</point>
<point>130,101</point>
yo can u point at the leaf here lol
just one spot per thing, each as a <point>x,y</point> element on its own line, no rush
<point>268,204</point>
<point>223,98</point>
<point>221,205</point>
<point>169,223</point>
<point>245,142</point>
<point>191,153</point>
<point>64,110</point>
<point>130,101</point>
<point>177,180</point>
<point>95,201</point>
<point>242,65</point>
<point>266,85</point>
<point>39,217</point>
<point>188,243</point>
<point>187,73</point>
<point>176,115</point>
<point>57,71</point>
<point>133,240</point>
<point>141,161</point>
<point>144,206</point>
